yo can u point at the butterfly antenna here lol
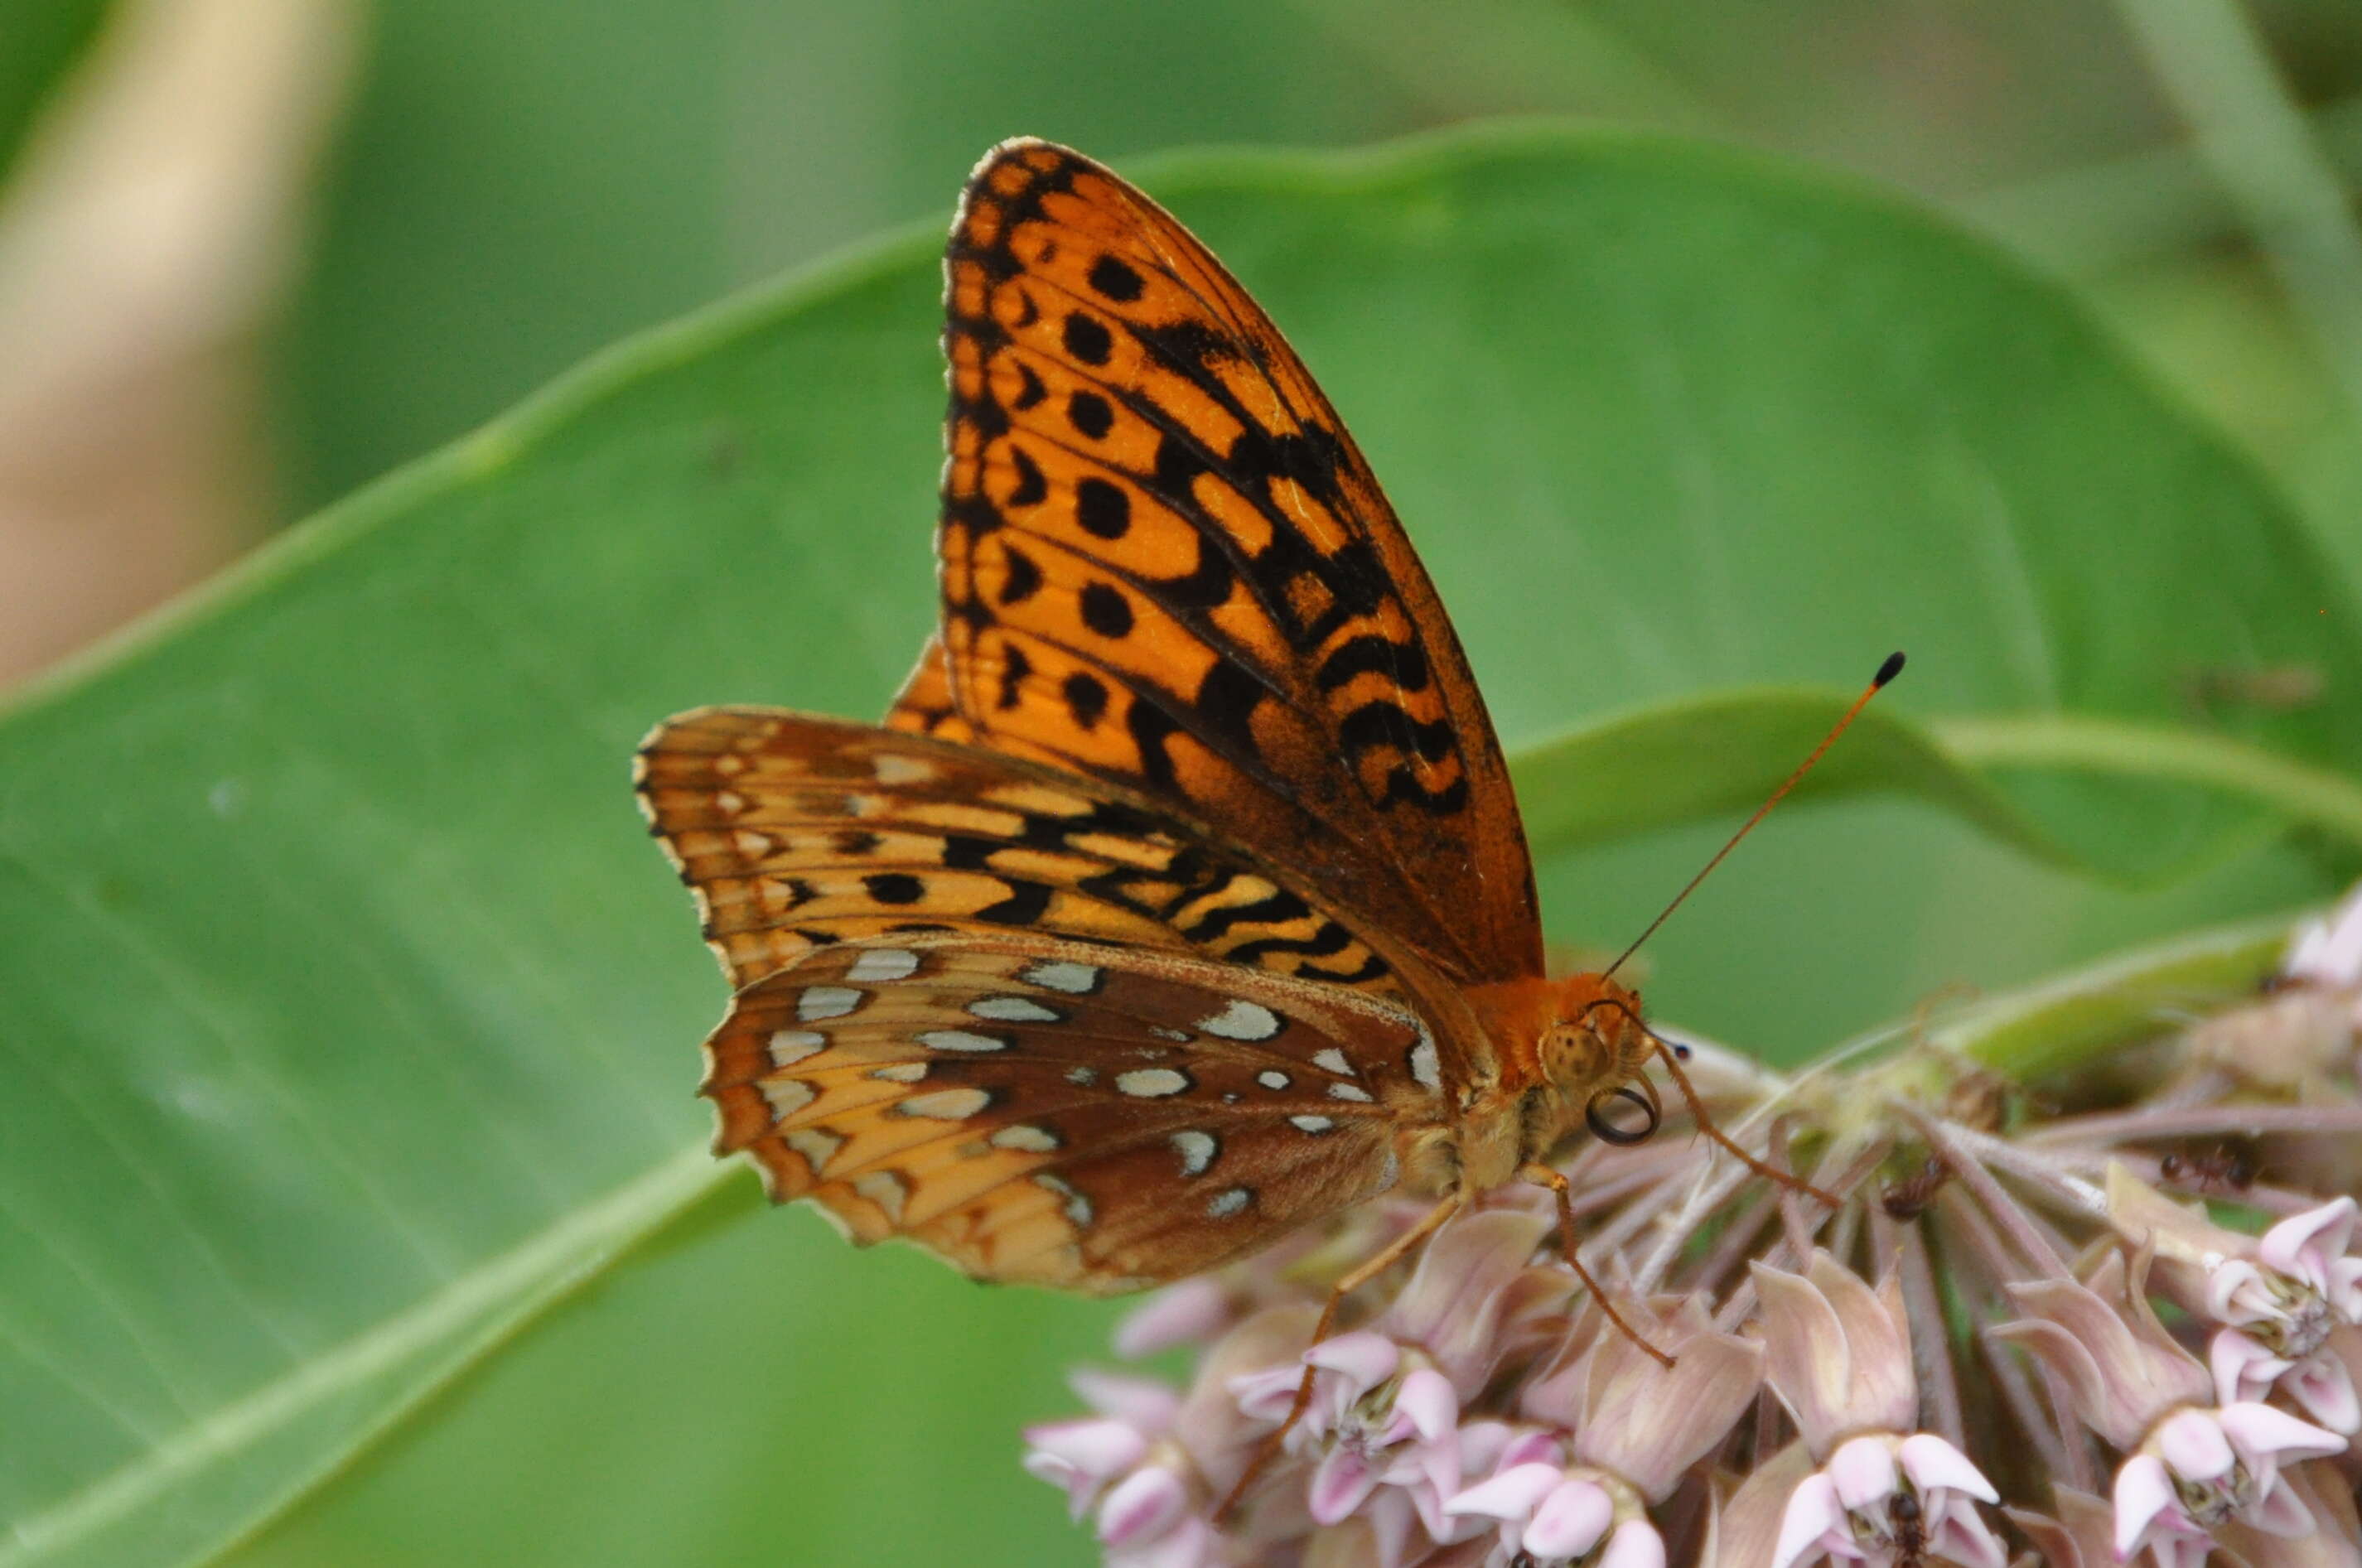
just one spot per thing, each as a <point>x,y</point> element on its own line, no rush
<point>1886,672</point>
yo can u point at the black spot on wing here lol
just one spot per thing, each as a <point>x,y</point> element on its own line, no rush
<point>894,887</point>
<point>1115,279</point>
<point>1087,338</point>
<point>1103,509</point>
<point>1086,698</point>
<point>1088,413</point>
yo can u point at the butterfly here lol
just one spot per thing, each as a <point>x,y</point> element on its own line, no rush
<point>1181,898</point>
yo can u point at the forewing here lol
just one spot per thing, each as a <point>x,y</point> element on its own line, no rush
<point>1165,563</point>
<point>796,832</point>
<point>1073,1114</point>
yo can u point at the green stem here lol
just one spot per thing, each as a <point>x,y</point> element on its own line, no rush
<point>2065,1022</point>
<point>2317,796</point>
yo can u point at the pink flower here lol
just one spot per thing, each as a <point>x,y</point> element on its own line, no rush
<point>1637,1419</point>
<point>1883,1499</point>
<point>2124,1371</point>
<point>1839,1351</point>
<point>1384,1410</point>
<point>2321,1383</point>
<point>1550,1515</point>
<point>2202,1468</point>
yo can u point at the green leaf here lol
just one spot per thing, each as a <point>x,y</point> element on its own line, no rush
<point>1633,772</point>
<point>42,41</point>
<point>352,1017</point>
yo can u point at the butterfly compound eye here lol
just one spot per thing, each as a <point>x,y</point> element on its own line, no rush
<point>1607,1129</point>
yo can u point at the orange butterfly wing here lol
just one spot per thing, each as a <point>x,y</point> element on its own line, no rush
<point>796,832</point>
<point>1164,563</point>
<point>1065,1113</point>
<point>1046,1027</point>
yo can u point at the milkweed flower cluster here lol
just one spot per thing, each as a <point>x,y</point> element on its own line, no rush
<point>2117,1321</point>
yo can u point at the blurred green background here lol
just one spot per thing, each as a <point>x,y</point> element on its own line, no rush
<point>494,191</point>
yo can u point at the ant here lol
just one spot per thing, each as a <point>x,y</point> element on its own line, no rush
<point>1906,1200</point>
<point>2219,1169</point>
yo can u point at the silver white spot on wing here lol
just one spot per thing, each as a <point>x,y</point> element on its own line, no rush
<point>1152,1083</point>
<point>944,1104</point>
<point>1227,1202</point>
<point>828,1001</point>
<point>1273,1078</point>
<point>788,1096</point>
<point>790,1046</point>
<point>1334,1061</point>
<point>1064,975</point>
<point>1312,1124</point>
<point>817,1147</point>
<point>1083,1077</point>
<point>1353,1092</point>
<point>887,1190</point>
<point>1026,1139</point>
<point>892,767</point>
<point>1015,1010</point>
<point>1197,1151</point>
<point>1242,1020</point>
<point>900,1072</point>
<point>884,964</point>
<point>1426,1065</point>
<point>961,1040</point>
<point>1077,1208</point>
<point>1178,1036</point>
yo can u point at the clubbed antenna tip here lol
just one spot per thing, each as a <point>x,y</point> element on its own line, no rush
<point>1888,670</point>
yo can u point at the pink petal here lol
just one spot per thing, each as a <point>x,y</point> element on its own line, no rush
<point>1427,1398</point>
<point>1364,1358</point>
<point>1932,1463</point>
<point>2242,1368</point>
<point>1191,1312</point>
<point>1482,1444</point>
<point>1527,1448</point>
<point>1813,1512</point>
<point>1142,1401</point>
<point>2279,1512</point>
<point>1960,1536</point>
<point>1569,1521</point>
<point>2192,1445</point>
<point>2344,1290</point>
<point>1343,1481</point>
<point>1266,1396</point>
<point>1081,1455</point>
<point>1862,1470</point>
<point>2224,1283</point>
<point>1145,1502</point>
<point>2325,1389</point>
<point>1389,1518</point>
<point>1511,1495</point>
<point>2329,950</point>
<point>2263,1433</point>
<point>1191,1543</point>
<point>2144,1490</point>
<point>2302,1244</point>
<point>1635,1544</point>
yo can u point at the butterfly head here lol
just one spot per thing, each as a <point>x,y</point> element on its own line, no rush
<point>1576,1052</point>
<point>1593,1038</point>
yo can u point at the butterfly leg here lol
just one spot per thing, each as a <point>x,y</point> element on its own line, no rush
<point>1562,1189</point>
<point>1393,1252</point>
<point>1705,1124</point>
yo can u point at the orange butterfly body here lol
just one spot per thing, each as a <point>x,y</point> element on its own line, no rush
<point>1183,898</point>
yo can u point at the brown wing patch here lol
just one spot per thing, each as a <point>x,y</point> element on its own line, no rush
<point>1164,562</point>
<point>1066,1113</point>
<point>797,831</point>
